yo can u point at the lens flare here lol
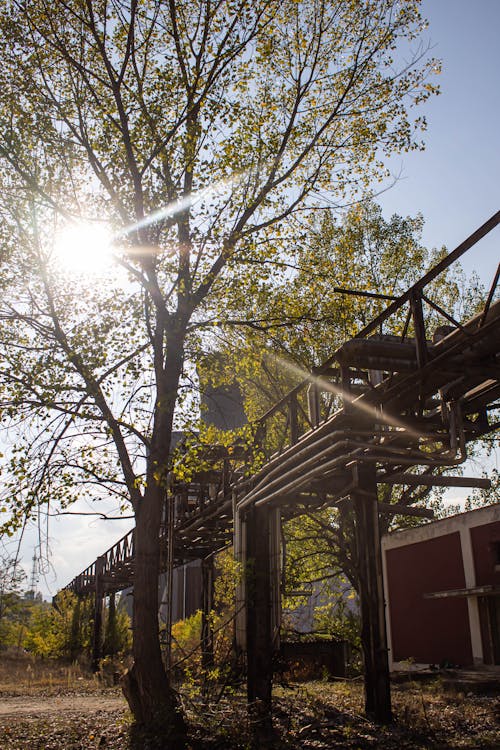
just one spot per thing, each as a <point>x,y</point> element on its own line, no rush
<point>337,390</point>
<point>180,205</point>
<point>90,248</point>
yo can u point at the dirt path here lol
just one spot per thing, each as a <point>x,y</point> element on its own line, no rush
<point>26,706</point>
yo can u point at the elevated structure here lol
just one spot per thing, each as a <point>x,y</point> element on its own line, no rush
<point>393,405</point>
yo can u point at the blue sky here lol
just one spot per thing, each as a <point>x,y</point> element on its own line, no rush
<point>454,183</point>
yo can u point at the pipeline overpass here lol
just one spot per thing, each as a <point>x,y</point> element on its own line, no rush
<point>396,405</point>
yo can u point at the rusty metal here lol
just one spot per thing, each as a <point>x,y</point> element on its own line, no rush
<point>432,480</point>
<point>362,293</point>
<point>490,296</point>
<point>442,312</point>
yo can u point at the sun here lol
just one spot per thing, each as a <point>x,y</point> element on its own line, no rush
<point>83,247</point>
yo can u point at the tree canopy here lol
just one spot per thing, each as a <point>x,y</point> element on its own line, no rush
<point>195,130</point>
<point>338,275</point>
<point>198,134</point>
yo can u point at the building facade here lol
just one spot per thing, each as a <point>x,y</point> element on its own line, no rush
<point>442,585</point>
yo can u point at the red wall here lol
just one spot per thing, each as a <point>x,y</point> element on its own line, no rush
<point>484,538</point>
<point>428,630</point>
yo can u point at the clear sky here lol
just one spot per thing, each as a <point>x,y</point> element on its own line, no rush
<point>454,183</point>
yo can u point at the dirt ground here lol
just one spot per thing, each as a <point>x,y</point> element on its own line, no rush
<point>34,707</point>
<point>65,709</point>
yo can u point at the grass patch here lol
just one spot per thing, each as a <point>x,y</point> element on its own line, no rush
<point>24,675</point>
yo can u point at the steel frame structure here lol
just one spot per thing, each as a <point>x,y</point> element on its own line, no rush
<point>389,406</point>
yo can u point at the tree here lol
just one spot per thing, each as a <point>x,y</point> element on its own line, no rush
<point>117,630</point>
<point>478,498</point>
<point>196,131</point>
<point>332,269</point>
<point>49,630</point>
<point>12,577</point>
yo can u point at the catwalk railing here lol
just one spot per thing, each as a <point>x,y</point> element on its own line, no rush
<point>400,341</point>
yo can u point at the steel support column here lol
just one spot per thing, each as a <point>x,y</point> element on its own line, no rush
<point>259,637</point>
<point>169,577</point>
<point>98,612</point>
<point>207,599</point>
<point>371,592</point>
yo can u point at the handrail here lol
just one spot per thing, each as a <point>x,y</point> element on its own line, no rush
<point>472,240</point>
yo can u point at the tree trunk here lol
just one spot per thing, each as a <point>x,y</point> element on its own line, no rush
<point>152,700</point>
<point>146,686</point>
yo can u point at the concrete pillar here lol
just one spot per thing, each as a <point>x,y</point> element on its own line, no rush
<point>472,601</point>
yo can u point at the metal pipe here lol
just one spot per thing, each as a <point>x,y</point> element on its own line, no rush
<point>297,483</point>
<point>367,459</point>
<point>260,498</point>
<point>298,451</point>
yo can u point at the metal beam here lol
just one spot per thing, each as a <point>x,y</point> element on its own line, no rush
<point>486,590</point>
<point>258,625</point>
<point>405,510</point>
<point>371,592</point>
<point>426,480</point>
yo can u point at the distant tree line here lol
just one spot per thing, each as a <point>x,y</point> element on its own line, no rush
<point>60,630</point>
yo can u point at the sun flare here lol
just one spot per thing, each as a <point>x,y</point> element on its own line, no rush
<point>83,248</point>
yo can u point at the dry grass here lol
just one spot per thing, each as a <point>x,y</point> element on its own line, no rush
<point>310,716</point>
<point>425,715</point>
<point>24,675</point>
<point>327,716</point>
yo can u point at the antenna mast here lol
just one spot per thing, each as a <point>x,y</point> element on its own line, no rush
<point>33,578</point>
